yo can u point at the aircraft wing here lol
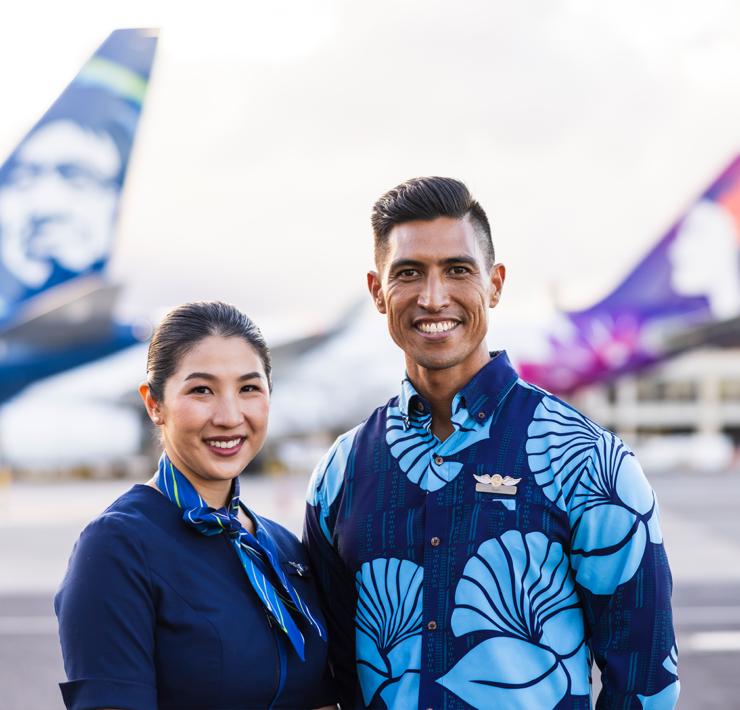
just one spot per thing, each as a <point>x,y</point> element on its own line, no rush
<point>75,313</point>
<point>286,356</point>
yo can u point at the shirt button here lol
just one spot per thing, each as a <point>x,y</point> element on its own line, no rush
<point>481,415</point>
<point>432,625</point>
<point>438,460</point>
<point>435,541</point>
<point>420,406</point>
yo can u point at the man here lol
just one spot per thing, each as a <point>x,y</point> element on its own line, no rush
<point>477,540</point>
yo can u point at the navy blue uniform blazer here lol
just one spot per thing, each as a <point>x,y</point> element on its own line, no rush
<point>154,615</point>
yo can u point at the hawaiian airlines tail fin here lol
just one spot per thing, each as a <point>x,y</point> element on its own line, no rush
<point>59,196</point>
<point>687,283</point>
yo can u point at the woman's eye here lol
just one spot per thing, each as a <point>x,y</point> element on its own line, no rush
<point>201,390</point>
<point>249,388</point>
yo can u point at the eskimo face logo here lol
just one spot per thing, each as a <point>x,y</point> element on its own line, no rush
<point>59,203</point>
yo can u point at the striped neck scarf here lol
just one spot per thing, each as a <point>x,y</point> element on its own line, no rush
<point>257,555</point>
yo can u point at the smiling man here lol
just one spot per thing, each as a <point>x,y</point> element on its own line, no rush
<point>478,541</point>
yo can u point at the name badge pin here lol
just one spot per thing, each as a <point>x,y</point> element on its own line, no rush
<point>496,484</point>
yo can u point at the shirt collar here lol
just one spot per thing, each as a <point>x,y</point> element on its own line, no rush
<point>477,400</point>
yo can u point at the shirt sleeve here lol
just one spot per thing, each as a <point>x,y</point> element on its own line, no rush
<point>336,588</point>
<point>107,620</point>
<point>623,579</point>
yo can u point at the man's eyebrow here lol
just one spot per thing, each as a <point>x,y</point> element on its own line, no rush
<point>460,259</point>
<point>208,376</point>
<point>405,264</point>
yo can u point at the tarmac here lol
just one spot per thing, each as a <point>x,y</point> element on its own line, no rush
<point>39,523</point>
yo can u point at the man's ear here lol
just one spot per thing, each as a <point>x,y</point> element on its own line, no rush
<point>498,276</point>
<point>375,287</point>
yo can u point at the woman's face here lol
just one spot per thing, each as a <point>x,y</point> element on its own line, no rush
<point>214,410</point>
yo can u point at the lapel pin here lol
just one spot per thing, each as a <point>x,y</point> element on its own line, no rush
<point>301,569</point>
<point>496,484</point>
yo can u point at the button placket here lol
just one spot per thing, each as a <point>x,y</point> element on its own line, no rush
<point>436,581</point>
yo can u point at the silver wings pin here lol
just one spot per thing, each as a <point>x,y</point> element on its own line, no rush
<point>496,484</point>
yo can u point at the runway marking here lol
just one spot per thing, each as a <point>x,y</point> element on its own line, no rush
<point>701,615</point>
<point>28,625</point>
<point>710,641</point>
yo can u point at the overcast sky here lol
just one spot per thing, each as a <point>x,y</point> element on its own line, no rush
<point>584,128</point>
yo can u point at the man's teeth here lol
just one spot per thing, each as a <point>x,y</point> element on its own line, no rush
<point>436,327</point>
<point>224,444</point>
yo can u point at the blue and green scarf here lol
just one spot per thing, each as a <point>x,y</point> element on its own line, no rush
<point>257,555</point>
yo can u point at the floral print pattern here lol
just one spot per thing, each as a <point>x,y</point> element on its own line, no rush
<point>521,590</point>
<point>388,630</point>
<point>418,451</point>
<point>595,478</point>
<point>327,477</point>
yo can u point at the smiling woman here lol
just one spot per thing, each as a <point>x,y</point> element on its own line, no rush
<point>179,596</point>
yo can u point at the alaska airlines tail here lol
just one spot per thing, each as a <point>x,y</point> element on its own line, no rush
<point>59,196</point>
<point>684,293</point>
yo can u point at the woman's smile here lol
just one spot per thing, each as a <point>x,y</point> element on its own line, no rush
<point>225,445</point>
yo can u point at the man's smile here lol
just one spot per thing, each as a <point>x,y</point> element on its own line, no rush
<point>433,327</point>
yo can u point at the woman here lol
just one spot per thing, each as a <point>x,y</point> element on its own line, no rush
<point>178,596</point>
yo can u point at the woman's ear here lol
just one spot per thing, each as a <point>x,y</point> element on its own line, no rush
<point>151,406</point>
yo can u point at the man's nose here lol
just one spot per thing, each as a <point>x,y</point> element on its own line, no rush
<point>228,413</point>
<point>434,296</point>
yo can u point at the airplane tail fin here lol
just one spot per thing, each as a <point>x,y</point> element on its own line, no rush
<point>60,188</point>
<point>662,283</point>
<point>690,279</point>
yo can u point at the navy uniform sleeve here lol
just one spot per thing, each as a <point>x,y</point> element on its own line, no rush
<point>107,620</point>
<point>336,588</point>
<point>623,579</point>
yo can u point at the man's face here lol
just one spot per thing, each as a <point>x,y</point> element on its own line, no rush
<point>59,203</point>
<point>436,290</point>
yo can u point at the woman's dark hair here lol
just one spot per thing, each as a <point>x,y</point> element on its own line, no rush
<point>427,199</point>
<point>189,324</point>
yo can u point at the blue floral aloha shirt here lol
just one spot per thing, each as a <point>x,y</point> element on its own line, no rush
<point>439,596</point>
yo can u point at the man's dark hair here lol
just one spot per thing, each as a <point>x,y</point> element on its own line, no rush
<point>427,199</point>
<point>189,324</point>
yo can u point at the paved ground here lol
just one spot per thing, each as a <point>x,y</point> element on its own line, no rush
<point>40,522</point>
